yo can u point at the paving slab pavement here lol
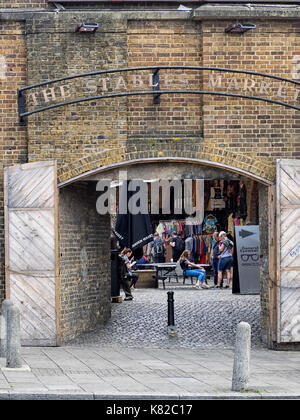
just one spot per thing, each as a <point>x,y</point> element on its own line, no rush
<point>158,374</point>
<point>133,358</point>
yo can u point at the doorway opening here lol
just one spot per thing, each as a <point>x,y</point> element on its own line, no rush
<point>218,311</point>
<point>220,206</point>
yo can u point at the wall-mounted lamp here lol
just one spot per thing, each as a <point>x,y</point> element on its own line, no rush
<point>240,28</point>
<point>87,27</point>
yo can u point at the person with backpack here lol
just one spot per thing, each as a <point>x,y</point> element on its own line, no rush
<point>214,257</point>
<point>158,247</point>
<point>225,259</point>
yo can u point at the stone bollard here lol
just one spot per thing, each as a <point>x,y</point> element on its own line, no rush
<point>241,367</point>
<point>3,333</point>
<point>13,352</point>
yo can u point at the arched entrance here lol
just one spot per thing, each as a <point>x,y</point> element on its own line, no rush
<point>81,239</point>
<point>59,273</point>
<point>76,193</point>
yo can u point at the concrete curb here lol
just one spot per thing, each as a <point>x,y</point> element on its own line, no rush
<point>11,395</point>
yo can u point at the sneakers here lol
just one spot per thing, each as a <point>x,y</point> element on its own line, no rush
<point>129,298</point>
<point>202,286</point>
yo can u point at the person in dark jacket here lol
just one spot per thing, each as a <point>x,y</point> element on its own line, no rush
<point>141,262</point>
<point>158,247</point>
<point>214,256</point>
<point>177,245</point>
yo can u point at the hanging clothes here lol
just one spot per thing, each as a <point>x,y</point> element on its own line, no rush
<point>210,224</point>
<point>230,224</point>
<point>241,202</point>
<point>236,221</point>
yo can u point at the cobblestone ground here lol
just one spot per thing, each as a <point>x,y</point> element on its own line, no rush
<point>204,319</point>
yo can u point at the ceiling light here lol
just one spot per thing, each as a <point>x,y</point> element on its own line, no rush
<point>87,27</point>
<point>240,28</point>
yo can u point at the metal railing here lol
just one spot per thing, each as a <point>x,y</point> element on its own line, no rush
<point>156,91</point>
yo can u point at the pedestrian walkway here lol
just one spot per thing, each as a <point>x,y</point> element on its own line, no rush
<point>132,357</point>
<point>205,319</point>
<point>126,373</point>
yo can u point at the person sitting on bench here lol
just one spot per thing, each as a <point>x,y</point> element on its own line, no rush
<point>200,272</point>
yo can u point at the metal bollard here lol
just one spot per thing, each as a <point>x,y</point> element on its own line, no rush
<point>3,333</point>
<point>241,367</point>
<point>13,352</point>
<point>171,317</point>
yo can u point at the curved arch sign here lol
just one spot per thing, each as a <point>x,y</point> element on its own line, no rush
<point>157,81</point>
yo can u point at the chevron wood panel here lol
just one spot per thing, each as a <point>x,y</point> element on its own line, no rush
<point>288,229</point>
<point>290,306</point>
<point>36,297</point>
<point>32,186</point>
<point>290,182</point>
<point>31,249</point>
<point>31,239</point>
<point>290,237</point>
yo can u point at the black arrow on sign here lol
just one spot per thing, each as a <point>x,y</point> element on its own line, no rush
<point>244,233</point>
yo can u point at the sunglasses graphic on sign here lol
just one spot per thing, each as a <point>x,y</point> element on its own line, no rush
<point>253,257</point>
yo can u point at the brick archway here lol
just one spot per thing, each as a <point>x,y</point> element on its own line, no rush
<point>74,195</point>
<point>260,170</point>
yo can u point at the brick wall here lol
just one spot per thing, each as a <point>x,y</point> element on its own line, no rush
<point>84,260</point>
<point>78,132</point>
<point>259,131</point>
<point>236,132</point>
<point>166,43</point>
<point>13,145</point>
<point>9,4</point>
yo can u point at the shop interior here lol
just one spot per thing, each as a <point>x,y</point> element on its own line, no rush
<point>227,203</point>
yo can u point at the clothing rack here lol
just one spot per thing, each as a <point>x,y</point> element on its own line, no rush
<point>202,242</point>
<point>183,228</point>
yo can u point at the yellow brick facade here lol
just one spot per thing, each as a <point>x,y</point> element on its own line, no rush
<point>244,135</point>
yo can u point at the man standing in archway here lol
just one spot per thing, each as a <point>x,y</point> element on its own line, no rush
<point>177,245</point>
<point>158,249</point>
<point>215,256</point>
<point>225,259</point>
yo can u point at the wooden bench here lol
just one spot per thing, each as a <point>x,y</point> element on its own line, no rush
<point>146,279</point>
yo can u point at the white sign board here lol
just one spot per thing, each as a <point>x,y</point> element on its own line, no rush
<point>248,258</point>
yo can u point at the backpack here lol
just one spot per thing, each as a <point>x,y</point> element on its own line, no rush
<point>228,243</point>
<point>180,244</point>
<point>158,247</point>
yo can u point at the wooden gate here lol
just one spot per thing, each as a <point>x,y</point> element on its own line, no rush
<point>288,250</point>
<point>31,249</point>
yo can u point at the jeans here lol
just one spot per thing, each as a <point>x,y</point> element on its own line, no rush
<point>125,286</point>
<point>225,263</point>
<point>193,273</point>
<point>134,278</point>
